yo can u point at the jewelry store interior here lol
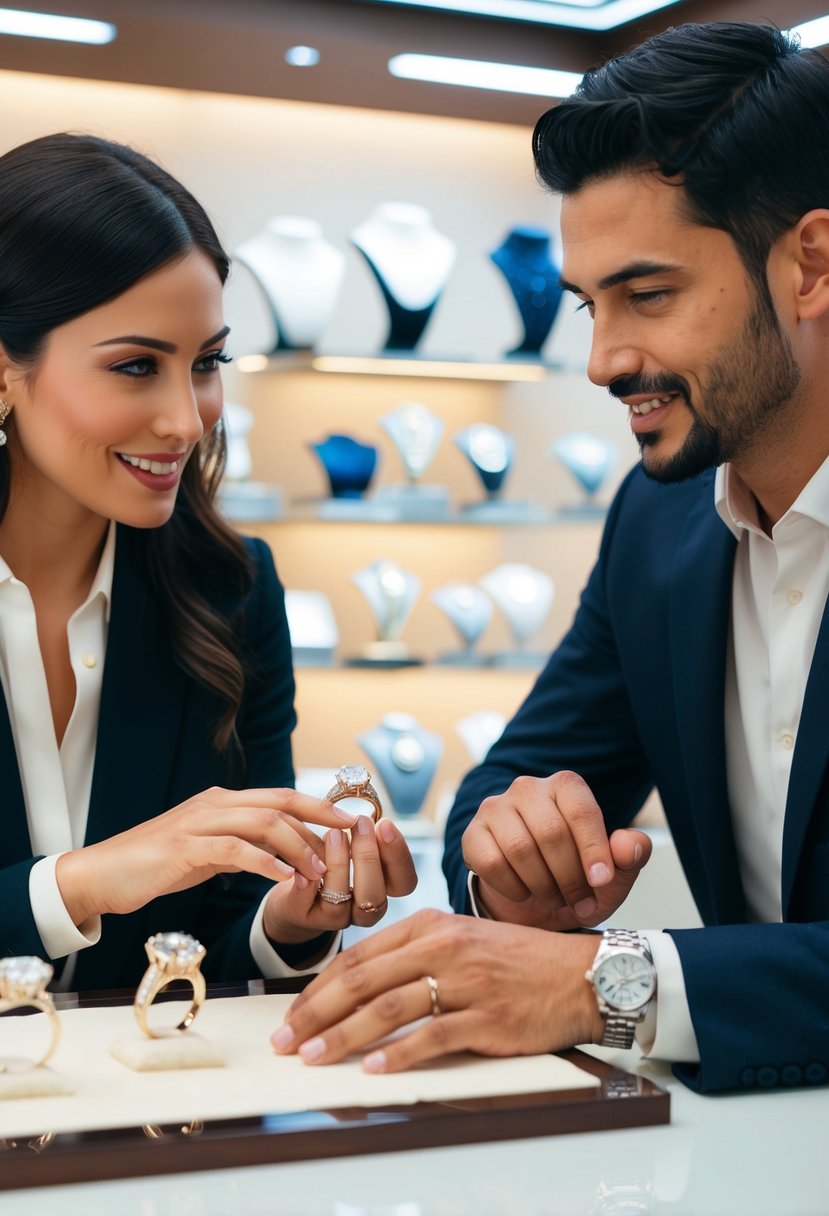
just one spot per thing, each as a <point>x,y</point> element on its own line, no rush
<point>412,432</point>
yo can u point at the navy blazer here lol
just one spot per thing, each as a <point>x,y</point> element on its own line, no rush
<point>153,751</point>
<point>634,698</point>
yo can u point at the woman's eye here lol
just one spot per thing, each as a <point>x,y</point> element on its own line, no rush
<point>140,366</point>
<point>211,361</point>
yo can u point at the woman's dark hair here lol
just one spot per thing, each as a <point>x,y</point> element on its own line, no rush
<point>81,220</point>
<point>737,114</point>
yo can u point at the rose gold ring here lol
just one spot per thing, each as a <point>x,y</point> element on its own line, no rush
<point>354,781</point>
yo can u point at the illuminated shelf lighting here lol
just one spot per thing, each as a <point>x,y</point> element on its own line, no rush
<point>368,365</point>
<point>23,24</point>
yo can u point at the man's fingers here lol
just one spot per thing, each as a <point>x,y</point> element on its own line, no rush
<point>631,849</point>
<point>439,1036</point>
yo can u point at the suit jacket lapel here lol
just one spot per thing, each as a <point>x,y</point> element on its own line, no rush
<point>142,699</point>
<point>700,614</point>
<point>809,762</point>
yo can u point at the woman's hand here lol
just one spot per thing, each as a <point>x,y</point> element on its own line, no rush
<point>220,831</point>
<point>501,990</point>
<point>382,866</point>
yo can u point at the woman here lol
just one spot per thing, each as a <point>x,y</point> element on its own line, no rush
<point>144,651</point>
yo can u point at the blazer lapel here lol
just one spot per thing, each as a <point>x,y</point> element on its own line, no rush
<point>15,844</point>
<point>142,701</point>
<point>700,614</point>
<point>809,762</point>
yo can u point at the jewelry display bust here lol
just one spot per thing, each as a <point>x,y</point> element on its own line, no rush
<point>589,460</point>
<point>405,758</point>
<point>523,257</point>
<point>349,465</point>
<point>415,432</point>
<point>312,626</point>
<point>391,592</point>
<point>524,596</point>
<point>300,275</point>
<point>479,731</point>
<point>239,497</point>
<point>411,262</point>
<point>470,611</point>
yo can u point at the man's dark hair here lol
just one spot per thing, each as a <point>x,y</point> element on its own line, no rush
<point>737,114</point>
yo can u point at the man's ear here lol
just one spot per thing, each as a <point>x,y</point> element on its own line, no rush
<point>811,250</point>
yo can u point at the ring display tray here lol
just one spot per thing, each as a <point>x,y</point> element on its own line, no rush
<point>189,1132</point>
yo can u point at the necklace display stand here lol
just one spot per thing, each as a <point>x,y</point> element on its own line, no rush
<point>490,452</point>
<point>300,275</point>
<point>411,262</point>
<point>524,596</point>
<point>240,498</point>
<point>523,257</point>
<point>470,611</point>
<point>405,758</point>
<point>313,628</point>
<point>479,731</point>
<point>416,433</point>
<point>391,592</point>
<point>589,460</point>
<point>349,465</point>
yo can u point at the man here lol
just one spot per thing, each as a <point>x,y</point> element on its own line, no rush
<point>694,172</point>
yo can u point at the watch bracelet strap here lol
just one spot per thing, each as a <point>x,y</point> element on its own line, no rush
<point>620,1028</point>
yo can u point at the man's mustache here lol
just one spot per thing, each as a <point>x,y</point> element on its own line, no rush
<point>649,386</point>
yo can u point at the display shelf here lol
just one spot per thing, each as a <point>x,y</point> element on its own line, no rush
<point>477,515</point>
<point>399,363</point>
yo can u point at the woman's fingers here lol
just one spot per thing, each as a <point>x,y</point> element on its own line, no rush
<point>370,897</point>
<point>397,862</point>
<point>291,802</point>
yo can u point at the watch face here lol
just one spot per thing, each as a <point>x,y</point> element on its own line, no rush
<point>624,980</point>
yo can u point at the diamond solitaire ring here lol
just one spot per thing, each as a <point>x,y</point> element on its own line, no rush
<point>354,781</point>
<point>173,956</point>
<point>23,981</point>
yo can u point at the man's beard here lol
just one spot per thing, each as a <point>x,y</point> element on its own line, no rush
<point>748,386</point>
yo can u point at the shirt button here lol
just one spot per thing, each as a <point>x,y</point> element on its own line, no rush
<point>89,660</point>
<point>787,741</point>
<point>795,597</point>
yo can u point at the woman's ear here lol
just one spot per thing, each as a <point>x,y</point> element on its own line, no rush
<point>811,249</point>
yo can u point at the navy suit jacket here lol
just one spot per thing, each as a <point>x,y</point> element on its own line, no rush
<point>634,698</point>
<point>153,751</point>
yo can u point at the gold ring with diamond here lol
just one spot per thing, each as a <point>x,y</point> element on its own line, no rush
<point>173,956</point>
<point>334,897</point>
<point>23,980</point>
<point>354,781</point>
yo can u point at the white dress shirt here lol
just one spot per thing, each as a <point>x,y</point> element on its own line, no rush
<point>56,780</point>
<point>779,591</point>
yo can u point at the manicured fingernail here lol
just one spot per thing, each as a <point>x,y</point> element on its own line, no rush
<point>346,816</point>
<point>283,1039</point>
<point>318,864</point>
<point>584,908</point>
<point>300,881</point>
<point>335,840</point>
<point>387,831</point>
<point>284,869</point>
<point>598,874</point>
<point>376,1062</point>
<point>637,852</point>
<point>362,826</point>
<point>313,1050</point>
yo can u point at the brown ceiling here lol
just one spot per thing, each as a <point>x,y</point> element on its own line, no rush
<point>237,46</point>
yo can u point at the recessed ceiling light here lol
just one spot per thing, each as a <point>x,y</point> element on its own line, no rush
<point>478,74</point>
<point>61,29</point>
<point>577,14</point>
<point>302,56</point>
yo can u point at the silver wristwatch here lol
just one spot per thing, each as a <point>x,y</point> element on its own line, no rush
<point>624,980</point>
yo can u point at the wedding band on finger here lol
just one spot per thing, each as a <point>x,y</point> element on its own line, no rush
<point>172,956</point>
<point>335,897</point>
<point>23,980</point>
<point>366,905</point>
<point>434,995</point>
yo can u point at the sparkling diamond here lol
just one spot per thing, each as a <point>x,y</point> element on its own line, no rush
<point>179,948</point>
<point>24,975</point>
<point>352,775</point>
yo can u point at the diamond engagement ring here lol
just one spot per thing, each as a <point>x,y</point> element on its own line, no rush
<point>23,981</point>
<point>173,956</point>
<point>354,781</point>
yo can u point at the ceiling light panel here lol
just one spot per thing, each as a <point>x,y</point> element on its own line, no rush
<point>575,14</point>
<point>23,24</point>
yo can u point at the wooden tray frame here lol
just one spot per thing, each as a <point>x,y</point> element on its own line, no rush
<point>621,1101</point>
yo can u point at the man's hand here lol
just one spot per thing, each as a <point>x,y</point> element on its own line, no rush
<point>502,990</point>
<point>543,856</point>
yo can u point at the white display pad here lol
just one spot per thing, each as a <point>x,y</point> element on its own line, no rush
<point>254,1081</point>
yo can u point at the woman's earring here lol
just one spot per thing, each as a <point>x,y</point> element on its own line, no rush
<point>5,410</point>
